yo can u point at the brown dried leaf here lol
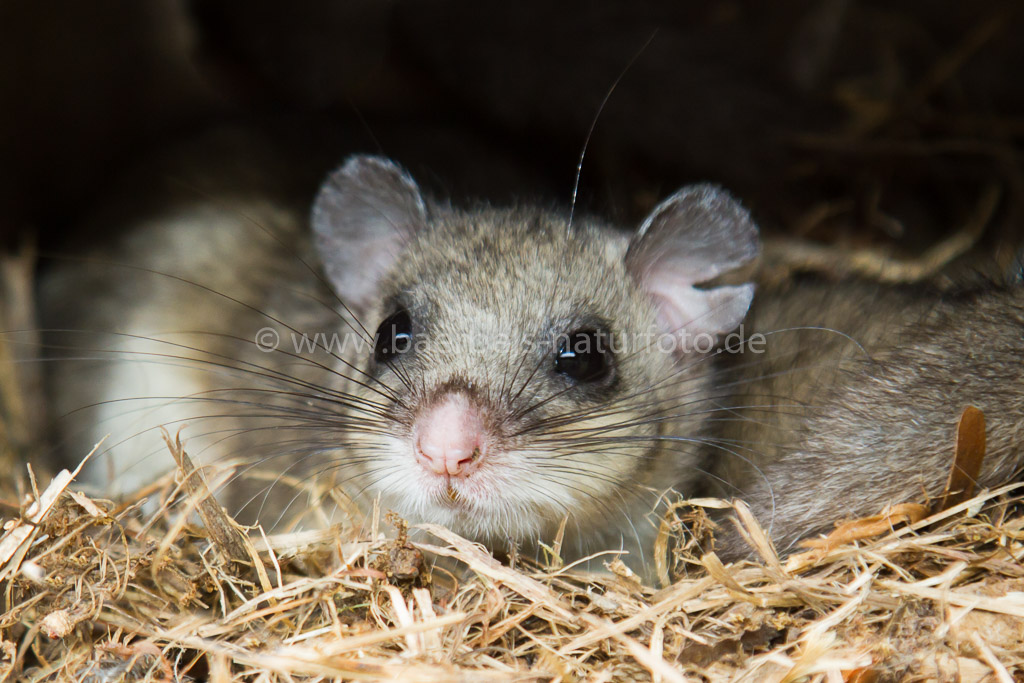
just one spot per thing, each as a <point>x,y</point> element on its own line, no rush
<point>967,459</point>
<point>867,527</point>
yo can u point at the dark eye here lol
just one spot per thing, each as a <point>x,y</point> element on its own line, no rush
<point>583,355</point>
<point>394,336</point>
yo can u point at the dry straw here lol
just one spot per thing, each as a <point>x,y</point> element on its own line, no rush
<point>97,592</point>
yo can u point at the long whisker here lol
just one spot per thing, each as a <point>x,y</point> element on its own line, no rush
<point>593,124</point>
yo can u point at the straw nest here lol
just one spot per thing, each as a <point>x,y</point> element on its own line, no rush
<point>96,591</point>
<point>100,591</point>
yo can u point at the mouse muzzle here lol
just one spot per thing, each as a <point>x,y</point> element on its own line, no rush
<point>450,436</point>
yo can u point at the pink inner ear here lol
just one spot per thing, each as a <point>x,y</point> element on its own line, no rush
<point>375,258</point>
<point>683,309</point>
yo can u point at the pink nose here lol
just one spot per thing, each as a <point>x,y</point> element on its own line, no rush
<point>450,436</point>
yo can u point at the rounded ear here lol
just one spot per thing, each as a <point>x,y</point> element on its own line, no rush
<point>695,235</point>
<point>363,216</point>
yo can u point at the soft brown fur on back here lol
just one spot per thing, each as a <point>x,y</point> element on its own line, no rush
<point>862,412</point>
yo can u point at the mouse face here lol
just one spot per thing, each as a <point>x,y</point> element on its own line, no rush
<point>523,372</point>
<point>510,335</point>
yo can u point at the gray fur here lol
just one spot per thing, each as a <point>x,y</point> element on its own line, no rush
<point>862,412</point>
<point>820,427</point>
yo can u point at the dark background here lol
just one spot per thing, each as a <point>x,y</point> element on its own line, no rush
<point>846,121</point>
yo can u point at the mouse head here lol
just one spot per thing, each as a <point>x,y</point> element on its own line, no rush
<point>523,372</point>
